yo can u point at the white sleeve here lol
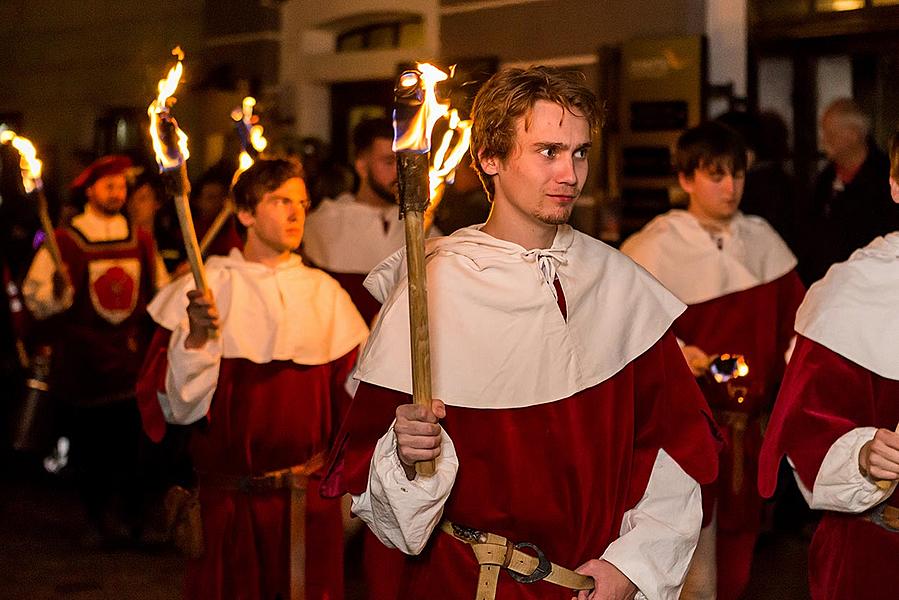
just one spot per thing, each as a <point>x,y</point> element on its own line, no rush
<point>840,486</point>
<point>37,289</point>
<point>191,378</point>
<point>659,535</point>
<point>403,513</point>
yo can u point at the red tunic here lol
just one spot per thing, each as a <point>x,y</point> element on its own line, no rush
<point>560,475</point>
<point>263,417</point>
<point>757,323</point>
<point>98,359</point>
<point>823,397</point>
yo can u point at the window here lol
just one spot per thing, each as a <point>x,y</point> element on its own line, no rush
<point>407,33</point>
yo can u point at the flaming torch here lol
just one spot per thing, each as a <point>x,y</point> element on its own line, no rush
<point>445,160</point>
<point>416,111</point>
<point>252,142</point>
<point>170,146</point>
<point>31,168</point>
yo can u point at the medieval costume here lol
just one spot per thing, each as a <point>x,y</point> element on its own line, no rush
<point>267,395</point>
<point>841,386</point>
<point>572,422</point>
<point>742,293</point>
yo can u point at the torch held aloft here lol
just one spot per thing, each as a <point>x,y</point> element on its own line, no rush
<point>412,173</point>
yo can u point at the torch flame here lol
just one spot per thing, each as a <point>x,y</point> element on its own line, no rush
<point>255,135</point>
<point>417,137</point>
<point>444,165</point>
<point>160,116</point>
<point>29,163</point>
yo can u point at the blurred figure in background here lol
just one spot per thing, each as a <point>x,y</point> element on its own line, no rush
<point>851,203</point>
<point>95,309</point>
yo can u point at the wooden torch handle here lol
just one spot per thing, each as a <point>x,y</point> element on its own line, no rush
<point>418,320</point>
<point>220,219</point>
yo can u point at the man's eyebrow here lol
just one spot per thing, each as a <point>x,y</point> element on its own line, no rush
<point>560,145</point>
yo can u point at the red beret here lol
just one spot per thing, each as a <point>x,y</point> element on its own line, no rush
<point>113,164</point>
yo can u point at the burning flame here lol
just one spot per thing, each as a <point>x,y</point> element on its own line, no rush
<point>445,161</point>
<point>417,137</point>
<point>28,161</point>
<point>160,116</point>
<point>255,136</point>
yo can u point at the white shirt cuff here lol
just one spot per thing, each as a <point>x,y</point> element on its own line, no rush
<point>403,513</point>
<point>191,378</point>
<point>840,486</point>
<point>659,535</point>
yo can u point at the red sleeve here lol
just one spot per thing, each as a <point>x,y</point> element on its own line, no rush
<point>372,411</point>
<point>152,380</point>
<point>671,414</point>
<point>823,397</point>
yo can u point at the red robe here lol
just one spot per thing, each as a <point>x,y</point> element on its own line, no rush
<point>263,417</point>
<point>757,323</point>
<point>560,475</point>
<point>823,397</point>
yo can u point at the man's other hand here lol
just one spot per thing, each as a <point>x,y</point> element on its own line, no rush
<point>203,318</point>
<point>611,584</point>
<point>418,434</point>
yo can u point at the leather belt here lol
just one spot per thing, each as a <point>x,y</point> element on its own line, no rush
<point>294,479</point>
<point>494,552</point>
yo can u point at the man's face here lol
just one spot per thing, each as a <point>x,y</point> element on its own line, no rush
<point>715,192</point>
<point>547,167</point>
<point>108,194</point>
<point>838,137</point>
<point>142,206</point>
<point>377,168</point>
<point>211,199</point>
<point>279,217</point>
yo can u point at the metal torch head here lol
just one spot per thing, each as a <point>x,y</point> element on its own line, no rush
<point>408,102</point>
<point>727,367</point>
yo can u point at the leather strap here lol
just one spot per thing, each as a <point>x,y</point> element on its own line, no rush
<point>298,543</point>
<point>494,552</point>
<point>885,516</point>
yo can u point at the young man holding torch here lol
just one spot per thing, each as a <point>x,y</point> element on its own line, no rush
<point>570,422</point>
<point>739,282</point>
<point>836,418</point>
<point>94,304</point>
<point>267,393</point>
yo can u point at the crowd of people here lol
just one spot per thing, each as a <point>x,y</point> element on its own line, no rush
<point>604,424</point>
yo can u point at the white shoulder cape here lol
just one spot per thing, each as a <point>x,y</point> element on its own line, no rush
<point>854,310</point>
<point>498,338</point>
<point>291,312</point>
<point>686,259</point>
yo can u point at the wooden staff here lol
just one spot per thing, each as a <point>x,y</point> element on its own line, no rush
<point>412,177</point>
<point>43,214</point>
<point>220,220</point>
<point>178,188</point>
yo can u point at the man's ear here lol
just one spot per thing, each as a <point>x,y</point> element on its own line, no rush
<point>246,217</point>
<point>490,165</point>
<point>360,164</point>
<point>685,182</point>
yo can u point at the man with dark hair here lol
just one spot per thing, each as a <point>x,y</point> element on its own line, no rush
<point>260,364</point>
<point>738,280</point>
<point>94,307</point>
<point>349,235</point>
<point>836,415</point>
<point>850,204</point>
<point>569,419</point>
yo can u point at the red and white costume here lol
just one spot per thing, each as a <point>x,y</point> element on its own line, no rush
<point>742,292</point>
<point>841,386</point>
<point>348,239</point>
<point>102,328</point>
<point>270,393</point>
<point>572,421</point>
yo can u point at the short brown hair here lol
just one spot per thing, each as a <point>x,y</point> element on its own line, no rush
<point>894,155</point>
<point>711,145</point>
<point>512,93</point>
<point>264,176</point>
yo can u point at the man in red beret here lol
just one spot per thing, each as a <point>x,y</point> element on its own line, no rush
<point>95,308</point>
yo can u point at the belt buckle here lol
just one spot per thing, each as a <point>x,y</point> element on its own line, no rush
<point>469,534</point>
<point>876,517</point>
<point>542,570</point>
